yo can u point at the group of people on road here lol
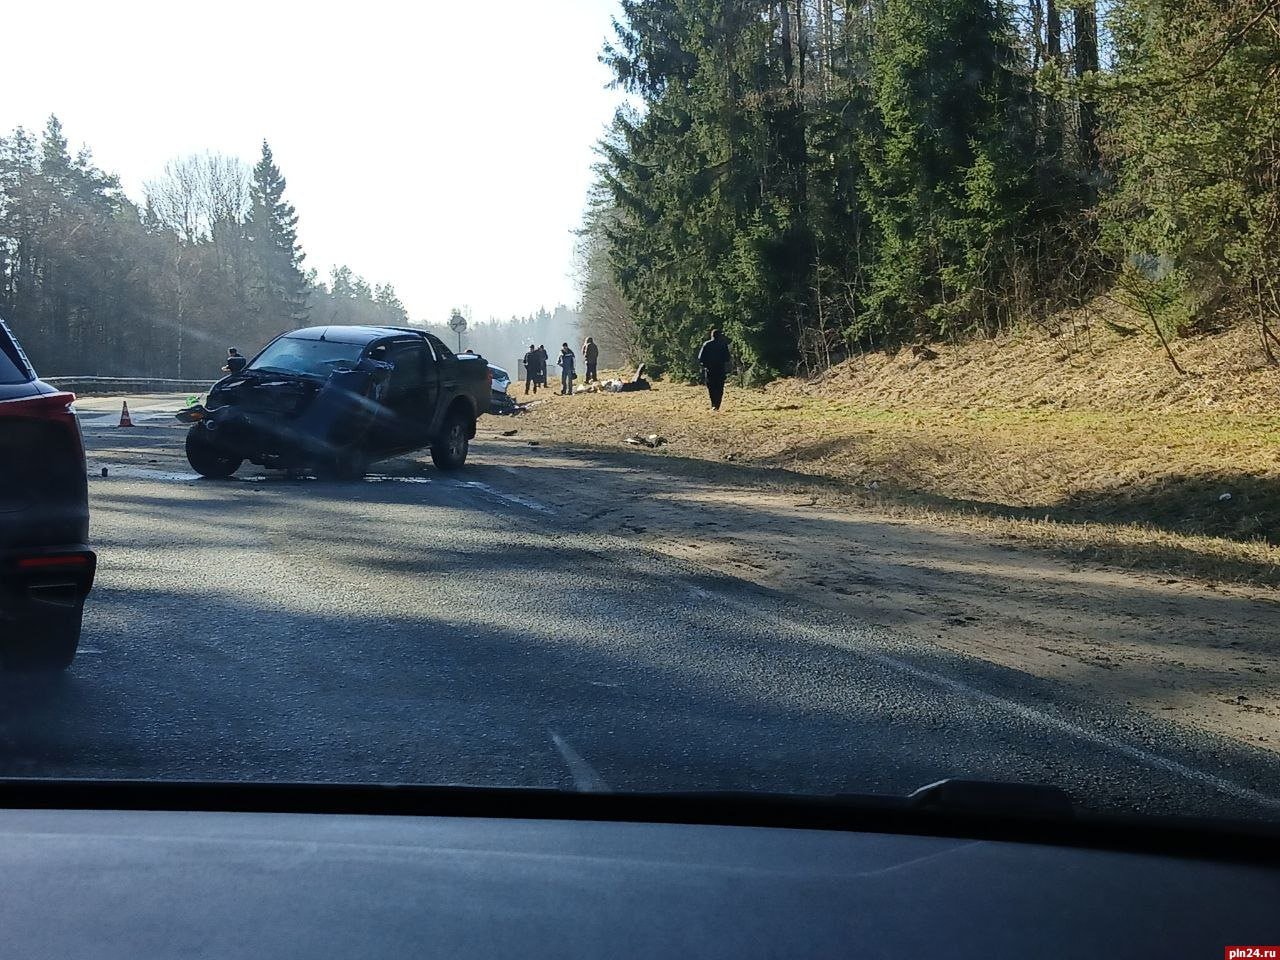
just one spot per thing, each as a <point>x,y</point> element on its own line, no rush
<point>713,357</point>
<point>535,368</point>
<point>536,362</point>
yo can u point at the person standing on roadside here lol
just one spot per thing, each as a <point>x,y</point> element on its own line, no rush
<point>235,362</point>
<point>532,369</point>
<point>567,373</point>
<point>591,354</point>
<point>714,357</point>
<point>546,362</point>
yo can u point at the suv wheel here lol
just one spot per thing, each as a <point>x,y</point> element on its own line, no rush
<point>206,459</point>
<point>449,450</point>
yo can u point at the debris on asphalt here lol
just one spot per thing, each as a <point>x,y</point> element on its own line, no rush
<point>104,471</point>
<point>1224,497</point>
<point>505,405</point>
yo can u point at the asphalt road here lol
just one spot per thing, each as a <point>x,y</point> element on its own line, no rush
<point>419,627</point>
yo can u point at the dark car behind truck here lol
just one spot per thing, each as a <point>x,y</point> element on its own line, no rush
<point>334,399</point>
<point>46,566</point>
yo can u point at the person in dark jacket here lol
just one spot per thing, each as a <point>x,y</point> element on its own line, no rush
<point>546,362</point>
<point>533,374</point>
<point>714,357</point>
<point>591,354</point>
<point>235,362</point>
<point>567,372</point>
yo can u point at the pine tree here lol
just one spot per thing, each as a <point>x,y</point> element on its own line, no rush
<point>1194,140</point>
<point>390,308</point>
<point>282,289</point>
<point>949,165</point>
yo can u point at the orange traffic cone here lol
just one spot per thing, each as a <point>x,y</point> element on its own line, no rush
<point>125,420</point>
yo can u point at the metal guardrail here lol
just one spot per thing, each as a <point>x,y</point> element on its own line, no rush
<point>107,386</point>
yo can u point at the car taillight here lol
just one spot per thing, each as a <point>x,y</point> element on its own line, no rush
<point>58,561</point>
<point>45,406</point>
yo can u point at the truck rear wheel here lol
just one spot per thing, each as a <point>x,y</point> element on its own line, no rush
<point>206,459</point>
<point>449,450</point>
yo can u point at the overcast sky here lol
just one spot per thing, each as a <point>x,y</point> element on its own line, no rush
<point>444,147</point>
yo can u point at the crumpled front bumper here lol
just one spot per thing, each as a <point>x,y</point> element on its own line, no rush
<point>257,436</point>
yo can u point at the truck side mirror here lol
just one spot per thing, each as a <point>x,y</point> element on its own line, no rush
<point>375,368</point>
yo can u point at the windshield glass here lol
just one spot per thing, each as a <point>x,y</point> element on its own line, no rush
<point>822,397</point>
<point>310,358</point>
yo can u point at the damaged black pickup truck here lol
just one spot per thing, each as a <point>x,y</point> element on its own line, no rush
<point>334,399</point>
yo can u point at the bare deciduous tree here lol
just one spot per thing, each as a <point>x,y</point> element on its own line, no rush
<point>198,193</point>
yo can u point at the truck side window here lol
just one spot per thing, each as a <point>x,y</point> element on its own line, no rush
<point>410,371</point>
<point>439,347</point>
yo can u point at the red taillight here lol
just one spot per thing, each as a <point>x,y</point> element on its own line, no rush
<point>60,561</point>
<point>45,406</point>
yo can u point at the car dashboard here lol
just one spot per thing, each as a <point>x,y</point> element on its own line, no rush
<point>166,882</point>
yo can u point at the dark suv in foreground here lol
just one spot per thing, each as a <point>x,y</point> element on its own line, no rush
<point>333,399</point>
<point>46,568</point>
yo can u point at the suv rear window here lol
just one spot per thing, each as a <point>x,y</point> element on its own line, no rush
<point>12,369</point>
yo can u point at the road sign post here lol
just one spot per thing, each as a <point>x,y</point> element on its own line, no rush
<point>458,323</point>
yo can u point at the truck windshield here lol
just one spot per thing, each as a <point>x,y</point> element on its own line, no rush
<point>308,358</point>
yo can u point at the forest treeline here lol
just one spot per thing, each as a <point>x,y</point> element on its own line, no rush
<point>818,175</point>
<point>95,284</point>
<point>813,176</point>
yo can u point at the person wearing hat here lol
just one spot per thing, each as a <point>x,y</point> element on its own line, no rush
<point>591,354</point>
<point>533,373</point>
<point>567,372</point>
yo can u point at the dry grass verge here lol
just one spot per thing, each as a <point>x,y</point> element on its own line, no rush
<point>1091,448</point>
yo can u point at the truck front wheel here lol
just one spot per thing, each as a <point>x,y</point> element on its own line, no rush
<point>206,459</point>
<point>449,450</point>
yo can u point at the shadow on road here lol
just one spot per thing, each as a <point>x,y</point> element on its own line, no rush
<point>193,685</point>
<point>429,633</point>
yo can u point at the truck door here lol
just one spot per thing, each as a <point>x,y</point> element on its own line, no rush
<point>411,396</point>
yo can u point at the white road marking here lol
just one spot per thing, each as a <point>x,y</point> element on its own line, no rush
<point>147,473</point>
<point>585,777</point>
<point>511,498</point>
<point>1031,714</point>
